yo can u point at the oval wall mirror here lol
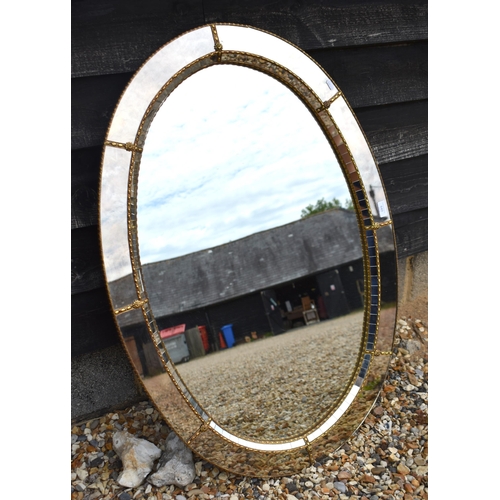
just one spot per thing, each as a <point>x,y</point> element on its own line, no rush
<point>248,249</point>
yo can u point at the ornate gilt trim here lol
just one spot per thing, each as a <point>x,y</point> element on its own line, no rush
<point>325,120</point>
<point>327,104</point>
<point>203,428</point>
<point>217,44</point>
<point>309,449</point>
<point>136,305</point>
<point>378,225</point>
<point>128,146</point>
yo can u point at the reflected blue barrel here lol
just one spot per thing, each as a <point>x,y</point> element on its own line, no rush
<point>227,331</point>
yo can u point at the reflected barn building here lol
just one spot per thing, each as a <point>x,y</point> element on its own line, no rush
<point>262,283</point>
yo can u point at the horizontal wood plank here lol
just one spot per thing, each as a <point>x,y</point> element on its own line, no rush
<point>324,24</point>
<point>373,76</point>
<point>411,230</point>
<point>93,101</point>
<point>368,77</point>
<point>102,381</point>
<point>406,184</point>
<point>92,323</point>
<point>112,37</point>
<point>86,262</point>
<point>85,177</point>
<point>396,132</point>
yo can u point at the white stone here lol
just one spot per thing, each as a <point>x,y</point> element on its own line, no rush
<point>137,456</point>
<point>422,470</point>
<point>176,465</point>
<point>82,474</point>
<point>198,468</point>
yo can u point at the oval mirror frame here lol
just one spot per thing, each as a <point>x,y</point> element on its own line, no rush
<point>151,85</point>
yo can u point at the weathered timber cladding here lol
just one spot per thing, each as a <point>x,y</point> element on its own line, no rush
<point>117,37</point>
<point>368,77</point>
<point>375,51</point>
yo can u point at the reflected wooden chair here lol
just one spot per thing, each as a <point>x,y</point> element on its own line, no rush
<point>309,311</point>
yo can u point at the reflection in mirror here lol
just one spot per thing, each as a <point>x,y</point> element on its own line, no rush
<point>230,153</point>
<point>224,179</point>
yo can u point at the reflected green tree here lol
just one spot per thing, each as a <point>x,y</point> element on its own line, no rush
<point>322,206</point>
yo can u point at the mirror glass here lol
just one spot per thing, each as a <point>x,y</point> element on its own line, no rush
<point>248,249</point>
<point>221,177</point>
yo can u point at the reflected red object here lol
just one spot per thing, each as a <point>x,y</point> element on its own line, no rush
<point>204,338</point>
<point>172,331</point>
<point>222,342</point>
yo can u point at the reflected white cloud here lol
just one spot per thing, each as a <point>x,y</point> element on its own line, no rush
<point>230,153</point>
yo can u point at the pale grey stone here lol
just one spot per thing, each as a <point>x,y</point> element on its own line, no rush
<point>82,474</point>
<point>80,486</point>
<point>340,486</point>
<point>413,346</point>
<point>176,465</point>
<point>137,456</point>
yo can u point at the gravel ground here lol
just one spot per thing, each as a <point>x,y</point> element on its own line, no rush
<point>303,372</point>
<point>385,459</point>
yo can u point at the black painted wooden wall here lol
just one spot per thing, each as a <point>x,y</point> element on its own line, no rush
<point>375,51</point>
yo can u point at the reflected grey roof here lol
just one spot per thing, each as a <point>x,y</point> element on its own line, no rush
<point>253,263</point>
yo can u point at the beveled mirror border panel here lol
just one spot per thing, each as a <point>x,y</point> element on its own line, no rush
<point>152,84</point>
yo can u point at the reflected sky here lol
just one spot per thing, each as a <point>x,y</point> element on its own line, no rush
<point>231,152</point>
